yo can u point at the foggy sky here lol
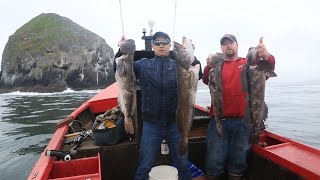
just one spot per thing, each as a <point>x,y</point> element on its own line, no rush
<point>290,28</point>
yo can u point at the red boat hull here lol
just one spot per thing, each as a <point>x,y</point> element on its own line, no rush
<point>282,156</point>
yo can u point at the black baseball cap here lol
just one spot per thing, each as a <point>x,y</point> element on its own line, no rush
<point>228,36</point>
<point>161,34</point>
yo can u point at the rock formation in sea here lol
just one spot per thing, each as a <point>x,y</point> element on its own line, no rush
<point>51,53</point>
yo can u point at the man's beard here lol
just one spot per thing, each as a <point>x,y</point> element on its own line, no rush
<point>229,53</point>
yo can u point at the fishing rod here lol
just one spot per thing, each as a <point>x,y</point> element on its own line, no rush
<point>84,134</point>
<point>67,156</point>
<point>174,19</point>
<point>121,17</point>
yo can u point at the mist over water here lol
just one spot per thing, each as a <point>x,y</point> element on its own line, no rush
<point>28,120</point>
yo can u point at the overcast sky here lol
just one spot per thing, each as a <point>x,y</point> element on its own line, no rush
<point>291,29</point>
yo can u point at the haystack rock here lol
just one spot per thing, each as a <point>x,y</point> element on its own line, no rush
<point>51,53</point>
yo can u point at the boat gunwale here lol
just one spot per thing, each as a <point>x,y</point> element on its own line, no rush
<point>281,161</point>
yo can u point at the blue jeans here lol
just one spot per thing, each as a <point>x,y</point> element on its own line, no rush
<point>152,136</point>
<point>231,149</point>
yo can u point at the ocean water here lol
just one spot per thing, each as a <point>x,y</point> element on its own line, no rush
<point>28,120</point>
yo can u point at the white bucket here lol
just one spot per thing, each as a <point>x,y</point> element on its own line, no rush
<point>163,172</point>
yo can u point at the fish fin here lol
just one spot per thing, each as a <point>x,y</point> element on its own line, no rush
<point>264,116</point>
<point>128,125</point>
<point>183,145</point>
<point>271,74</point>
<point>194,75</point>
<point>120,66</point>
<point>265,112</point>
<point>195,68</point>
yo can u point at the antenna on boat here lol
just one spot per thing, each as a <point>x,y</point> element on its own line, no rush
<point>151,23</point>
<point>148,38</point>
<point>121,18</point>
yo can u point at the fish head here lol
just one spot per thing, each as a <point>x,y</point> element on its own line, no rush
<point>128,46</point>
<point>189,45</point>
<point>216,58</point>
<point>252,56</point>
<point>184,53</point>
<point>260,64</point>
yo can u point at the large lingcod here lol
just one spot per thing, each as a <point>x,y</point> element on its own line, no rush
<point>215,86</point>
<point>126,81</point>
<point>253,77</point>
<point>188,77</point>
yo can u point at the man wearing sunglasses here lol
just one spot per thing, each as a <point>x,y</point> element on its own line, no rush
<point>158,85</point>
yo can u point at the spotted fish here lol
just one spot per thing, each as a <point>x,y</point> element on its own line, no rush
<point>215,86</point>
<point>188,77</point>
<point>126,81</point>
<point>253,76</point>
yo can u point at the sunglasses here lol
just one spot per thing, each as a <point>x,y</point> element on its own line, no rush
<point>163,42</point>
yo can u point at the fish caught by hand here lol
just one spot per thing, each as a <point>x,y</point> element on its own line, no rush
<point>188,77</point>
<point>215,86</point>
<point>253,77</point>
<point>126,81</point>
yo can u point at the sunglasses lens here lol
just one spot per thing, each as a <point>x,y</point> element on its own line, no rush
<point>157,43</point>
<point>166,42</point>
<point>163,42</point>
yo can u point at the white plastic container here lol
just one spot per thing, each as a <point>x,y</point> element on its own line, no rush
<point>163,172</point>
<point>164,147</point>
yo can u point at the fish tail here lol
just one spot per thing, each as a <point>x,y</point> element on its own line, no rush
<point>219,128</point>
<point>183,146</point>
<point>271,74</point>
<point>128,125</point>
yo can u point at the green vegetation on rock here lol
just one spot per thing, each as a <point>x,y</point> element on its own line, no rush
<point>48,49</point>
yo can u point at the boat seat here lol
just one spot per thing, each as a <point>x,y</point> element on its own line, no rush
<point>299,158</point>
